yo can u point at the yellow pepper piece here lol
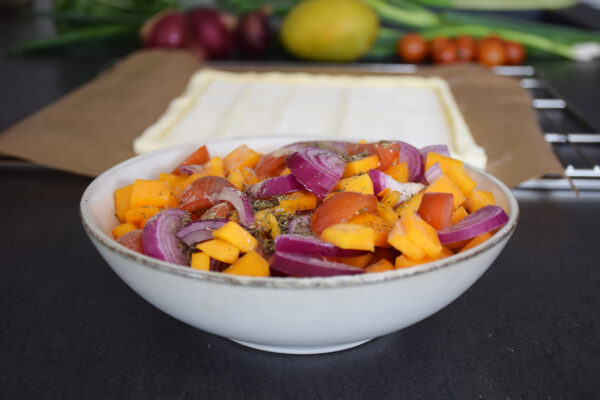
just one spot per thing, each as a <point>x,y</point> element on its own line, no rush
<point>200,261</point>
<point>350,236</point>
<point>361,166</point>
<point>459,176</point>
<point>443,184</point>
<point>445,162</point>
<point>398,239</point>
<point>139,216</point>
<point>149,193</point>
<point>122,201</point>
<point>357,183</point>
<point>236,235</point>
<point>251,264</point>
<point>220,250</point>
<point>478,199</point>
<point>122,229</point>
<point>422,234</point>
<point>399,172</point>
<point>298,201</point>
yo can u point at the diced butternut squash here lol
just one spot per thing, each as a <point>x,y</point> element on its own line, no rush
<point>459,214</point>
<point>215,167</point>
<point>387,213</point>
<point>357,183</point>
<point>358,261</point>
<point>476,241</point>
<point>220,250</point>
<point>122,201</point>
<point>122,229</point>
<point>443,184</point>
<point>149,193</point>
<point>478,199</point>
<point>398,238</point>
<point>200,261</point>
<point>361,166</point>
<point>242,156</point>
<point>237,179</point>
<point>350,236</point>
<point>422,234</point>
<point>236,235</point>
<point>404,262</point>
<point>459,176</point>
<point>249,175</point>
<point>380,266</point>
<point>298,201</point>
<point>399,172</point>
<point>379,225</point>
<point>411,205</point>
<point>139,216</point>
<point>445,162</point>
<point>251,264</point>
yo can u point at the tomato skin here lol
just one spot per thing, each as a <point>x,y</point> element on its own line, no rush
<point>270,165</point>
<point>195,197</point>
<point>436,209</point>
<point>198,157</point>
<point>388,154</point>
<point>515,53</point>
<point>132,240</point>
<point>339,208</point>
<point>446,54</point>
<point>412,48</point>
<point>491,52</point>
<point>438,43</point>
<point>466,49</point>
<point>219,210</point>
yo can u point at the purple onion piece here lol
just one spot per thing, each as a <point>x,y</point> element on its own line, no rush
<point>239,201</point>
<point>274,187</point>
<point>337,146</point>
<point>382,181</point>
<point>317,169</point>
<point>434,172</point>
<point>481,221</point>
<point>190,169</point>
<point>298,244</point>
<point>217,266</point>
<point>160,240</point>
<point>301,265</point>
<point>300,225</point>
<point>200,230</point>
<point>411,156</point>
<point>436,148</point>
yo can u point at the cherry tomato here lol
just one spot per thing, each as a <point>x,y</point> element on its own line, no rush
<point>219,210</point>
<point>339,208</point>
<point>412,48</point>
<point>515,53</point>
<point>271,164</point>
<point>466,49</point>
<point>436,209</point>
<point>195,197</point>
<point>198,157</point>
<point>445,54</point>
<point>388,154</point>
<point>132,240</point>
<point>491,52</point>
<point>438,43</point>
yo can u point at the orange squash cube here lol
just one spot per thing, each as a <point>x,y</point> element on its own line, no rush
<point>122,198</point>
<point>149,193</point>
<point>360,166</point>
<point>398,239</point>
<point>220,250</point>
<point>411,205</point>
<point>459,214</point>
<point>233,233</point>
<point>122,229</point>
<point>358,261</point>
<point>380,266</point>
<point>350,236</point>
<point>446,163</point>
<point>200,261</point>
<point>379,225</point>
<point>399,172</point>
<point>242,156</point>
<point>459,176</point>
<point>422,234</point>
<point>358,183</point>
<point>251,264</point>
<point>298,201</point>
<point>139,216</point>
<point>478,199</point>
<point>443,184</point>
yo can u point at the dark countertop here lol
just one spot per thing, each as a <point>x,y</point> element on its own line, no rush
<point>529,328</point>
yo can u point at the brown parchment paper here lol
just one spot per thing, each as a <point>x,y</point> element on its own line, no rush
<point>93,128</point>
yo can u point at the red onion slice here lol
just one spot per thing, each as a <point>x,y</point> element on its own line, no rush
<point>481,221</point>
<point>412,157</point>
<point>382,181</point>
<point>434,172</point>
<point>274,187</point>
<point>200,230</point>
<point>239,201</point>
<point>305,266</point>
<point>298,244</point>
<point>317,169</point>
<point>337,146</point>
<point>190,169</point>
<point>159,236</point>
<point>436,148</point>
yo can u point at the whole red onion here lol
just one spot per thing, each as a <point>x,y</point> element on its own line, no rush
<point>252,32</point>
<point>211,32</point>
<point>167,30</point>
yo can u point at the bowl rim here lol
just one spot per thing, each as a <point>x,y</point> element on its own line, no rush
<point>95,233</point>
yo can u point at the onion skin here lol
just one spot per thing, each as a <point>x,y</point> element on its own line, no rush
<point>252,33</point>
<point>199,230</point>
<point>166,30</point>
<point>481,221</point>
<point>317,169</point>
<point>434,172</point>
<point>301,265</point>
<point>412,157</point>
<point>159,236</point>
<point>274,187</point>
<point>240,202</point>
<point>382,181</point>
<point>298,244</point>
<point>436,148</point>
<point>210,32</point>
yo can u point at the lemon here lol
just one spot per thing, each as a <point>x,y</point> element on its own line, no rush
<point>329,30</point>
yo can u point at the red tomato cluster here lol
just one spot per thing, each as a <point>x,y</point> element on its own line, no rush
<point>490,51</point>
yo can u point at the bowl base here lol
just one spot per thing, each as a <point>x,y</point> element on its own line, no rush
<point>302,349</point>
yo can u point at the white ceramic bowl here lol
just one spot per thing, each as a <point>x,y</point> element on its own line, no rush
<point>287,315</point>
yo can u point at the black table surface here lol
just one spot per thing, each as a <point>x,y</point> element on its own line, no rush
<point>70,328</point>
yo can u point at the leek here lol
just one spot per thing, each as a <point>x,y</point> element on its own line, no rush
<point>500,4</point>
<point>404,12</point>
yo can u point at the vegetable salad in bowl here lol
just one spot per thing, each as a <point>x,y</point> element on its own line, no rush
<point>307,209</point>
